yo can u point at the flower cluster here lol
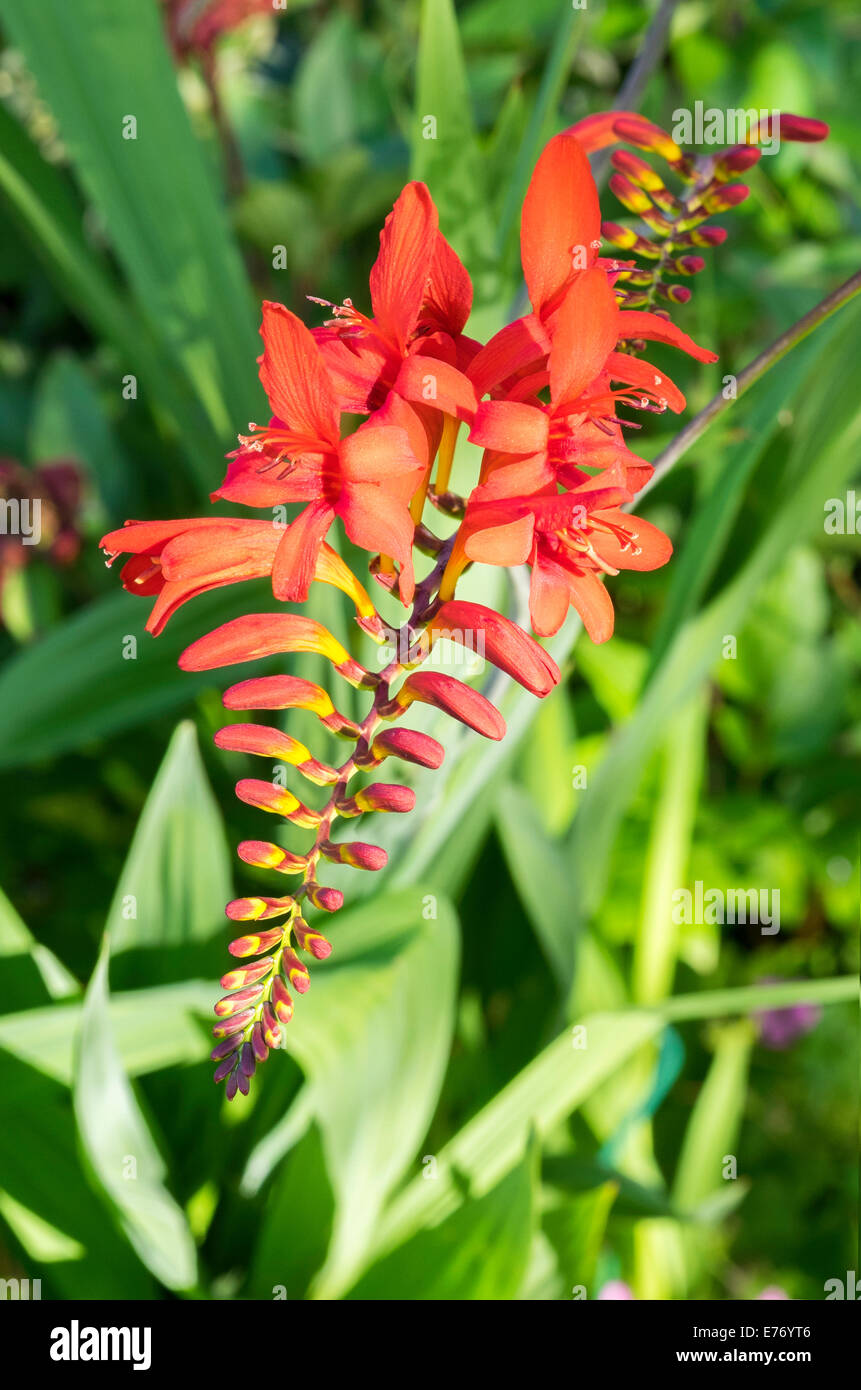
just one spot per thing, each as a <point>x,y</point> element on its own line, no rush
<point>544,401</point>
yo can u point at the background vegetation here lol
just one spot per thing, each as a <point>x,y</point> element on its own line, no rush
<point>436,1129</point>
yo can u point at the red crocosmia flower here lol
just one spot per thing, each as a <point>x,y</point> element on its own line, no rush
<point>569,541</point>
<point>549,492</point>
<point>413,343</point>
<point>559,240</point>
<point>366,479</point>
<point>176,560</point>
<point>579,428</point>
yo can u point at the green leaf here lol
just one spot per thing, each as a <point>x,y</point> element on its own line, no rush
<point>17,939</point>
<point>177,874</point>
<point>373,1040</point>
<point>119,1146</point>
<point>558,1081</point>
<point>69,423</point>
<point>553,1085</point>
<point>657,941</point>
<point>40,1171</point>
<point>481,1251</point>
<point>823,456</point>
<point>52,221</point>
<point>101,68</point>
<point>80,682</point>
<point>445,153</point>
<point>541,876</point>
<point>154,1028</point>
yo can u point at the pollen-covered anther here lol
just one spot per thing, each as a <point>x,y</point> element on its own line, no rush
<point>269,796</point>
<point>255,943</point>
<point>234,1003</point>
<point>379,796</point>
<point>258,909</point>
<point>262,854</point>
<point>358,854</point>
<point>247,974</point>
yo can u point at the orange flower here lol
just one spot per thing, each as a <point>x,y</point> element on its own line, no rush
<point>367,479</point>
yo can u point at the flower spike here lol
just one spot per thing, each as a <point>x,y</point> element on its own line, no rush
<point>546,404</point>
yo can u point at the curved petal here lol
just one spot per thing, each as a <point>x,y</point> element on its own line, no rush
<point>294,378</point>
<point>521,479</point>
<point>509,427</point>
<point>359,367</point>
<point>634,371</point>
<point>584,334</point>
<point>549,596</point>
<point>560,216</point>
<point>430,381</point>
<point>448,297</point>
<point>378,522</point>
<point>381,453</point>
<point>508,544</point>
<point>638,323</point>
<point>248,481</point>
<point>224,550</point>
<point>518,345</point>
<point>400,273</point>
<point>298,549</point>
<point>647,549</point>
<point>589,596</point>
<point>148,537</point>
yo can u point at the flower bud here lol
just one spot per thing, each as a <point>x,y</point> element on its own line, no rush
<point>253,945</point>
<point>311,941</point>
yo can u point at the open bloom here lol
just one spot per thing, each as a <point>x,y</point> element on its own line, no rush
<point>176,560</point>
<point>579,429</point>
<point>413,343</point>
<point>559,241</point>
<point>570,540</point>
<point>366,479</point>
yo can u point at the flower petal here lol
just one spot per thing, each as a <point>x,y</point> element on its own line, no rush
<point>448,297</point>
<point>638,323</point>
<point>510,427</point>
<point>584,333</point>
<point>519,344</point>
<point>399,276</point>
<point>297,385</point>
<point>298,552</point>
<point>430,381</point>
<point>560,217</point>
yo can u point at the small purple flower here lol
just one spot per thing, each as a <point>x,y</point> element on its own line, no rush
<point>780,1028</point>
<point>773,1291</point>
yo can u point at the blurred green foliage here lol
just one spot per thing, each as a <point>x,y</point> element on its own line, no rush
<point>439,1128</point>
